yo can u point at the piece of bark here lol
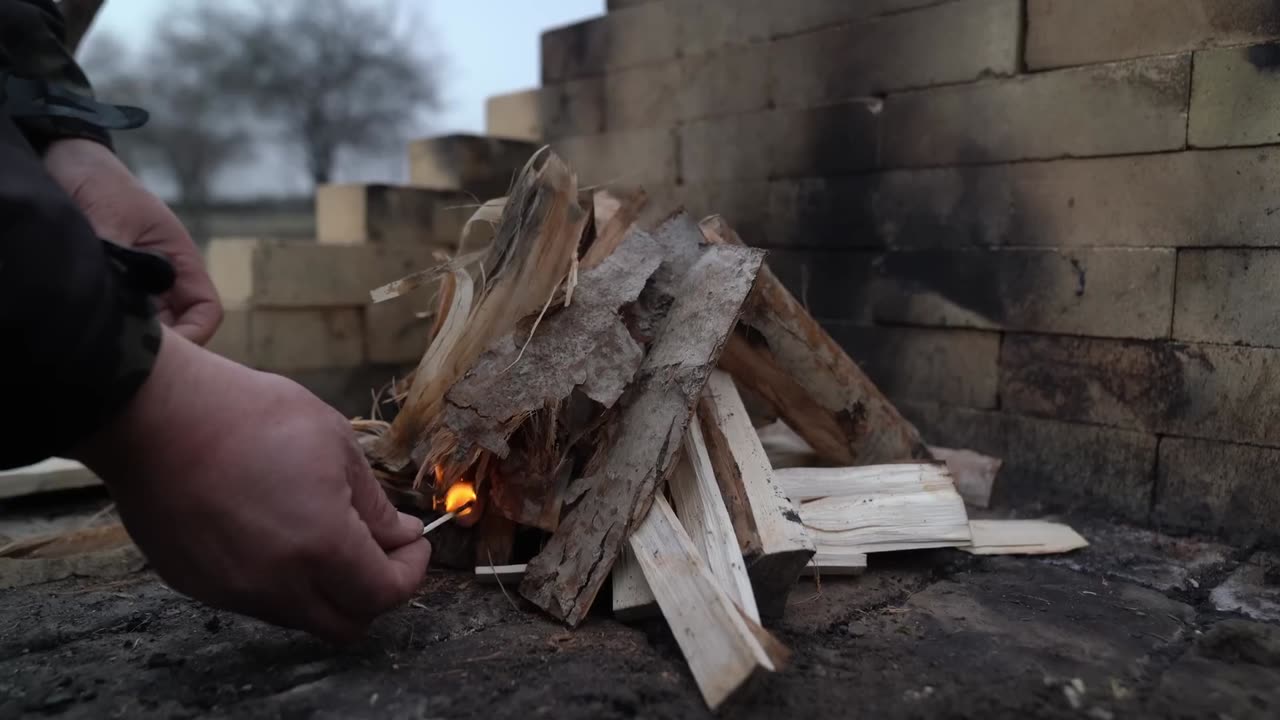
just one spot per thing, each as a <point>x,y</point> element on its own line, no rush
<point>776,547</point>
<point>636,458</point>
<point>533,253</point>
<point>704,515</point>
<point>585,346</point>
<point>722,646</point>
<point>974,473</point>
<point>525,379</point>
<point>874,512</point>
<point>1022,537</point>
<point>784,355</point>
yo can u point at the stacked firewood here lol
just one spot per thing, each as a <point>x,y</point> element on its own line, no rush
<point>587,384</point>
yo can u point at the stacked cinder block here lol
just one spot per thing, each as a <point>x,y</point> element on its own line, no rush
<point>302,308</point>
<point>1048,228</point>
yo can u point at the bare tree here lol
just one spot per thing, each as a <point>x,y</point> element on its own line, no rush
<point>334,76</point>
<point>194,131</point>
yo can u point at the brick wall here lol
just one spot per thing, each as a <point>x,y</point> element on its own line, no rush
<point>1048,228</point>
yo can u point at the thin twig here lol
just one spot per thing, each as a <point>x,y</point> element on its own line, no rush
<point>498,577</point>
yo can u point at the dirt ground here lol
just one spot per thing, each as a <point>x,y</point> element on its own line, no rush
<point>1126,628</point>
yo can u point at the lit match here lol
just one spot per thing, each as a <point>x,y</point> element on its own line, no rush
<point>466,508</point>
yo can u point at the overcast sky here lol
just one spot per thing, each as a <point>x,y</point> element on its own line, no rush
<point>490,46</point>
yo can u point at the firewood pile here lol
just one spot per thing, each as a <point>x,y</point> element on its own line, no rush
<point>586,390</point>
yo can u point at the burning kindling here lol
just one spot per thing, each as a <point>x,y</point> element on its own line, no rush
<point>579,417</point>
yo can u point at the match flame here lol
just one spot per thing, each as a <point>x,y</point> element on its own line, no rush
<point>460,493</point>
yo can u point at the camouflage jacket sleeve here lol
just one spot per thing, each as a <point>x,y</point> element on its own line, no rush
<point>78,335</point>
<point>43,89</point>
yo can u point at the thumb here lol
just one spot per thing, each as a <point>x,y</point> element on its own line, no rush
<point>391,529</point>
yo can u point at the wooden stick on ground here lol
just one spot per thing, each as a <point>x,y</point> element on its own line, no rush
<point>781,353</point>
<point>776,545</point>
<point>723,647</point>
<point>632,597</point>
<point>884,510</point>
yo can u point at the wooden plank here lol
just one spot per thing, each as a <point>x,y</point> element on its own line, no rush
<point>495,574</point>
<point>804,484</point>
<point>836,561</point>
<point>702,511</point>
<point>632,598</point>
<point>51,475</point>
<point>875,512</point>
<point>640,450</point>
<point>1022,537</point>
<point>784,355</point>
<point>778,548</point>
<point>723,647</point>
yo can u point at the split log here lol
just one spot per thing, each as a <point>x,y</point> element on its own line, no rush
<point>781,353</point>
<point>585,348</point>
<point>774,543</point>
<point>632,598</point>
<point>723,647</point>
<point>642,440</point>
<point>704,515</point>
<point>1022,537</point>
<point>902,509</point>
<point>804,484</point>
<point>836,561</point>
<point>534,252</point>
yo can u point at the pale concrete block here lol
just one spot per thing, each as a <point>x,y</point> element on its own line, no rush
<point>360,214</point>
<point>1103,292</point>
<point>1205,391</point>
<point>287,340</point>
<point>1228,296</point>
<point>728,82</point>
<point>572,108</point>
<point>781,143</point>
<point>637,157</point>
<point>791,18</point>
<point>1048,465</point>
<point>1082,32</point>
<point>1219,488</point>
<point>950,367</point>
<point>232,337</point>
<point>643,97</point>
<point>1165,200</point>
<point>394,333</point>
<point>516,115</point>
<point>949,43</point>
<point>265,273</point>
<point>481,166</point>
<point>230,264</point>
<point>1235,99</point>
<point>647,33</point>
<point>1119,108</point>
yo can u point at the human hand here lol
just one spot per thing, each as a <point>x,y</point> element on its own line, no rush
<point>121,210</point>
<point>248,493</point>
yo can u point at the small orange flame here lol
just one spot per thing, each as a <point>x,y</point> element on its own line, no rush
<point>460,493</point>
